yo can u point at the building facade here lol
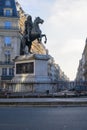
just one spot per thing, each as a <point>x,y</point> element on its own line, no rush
<point>80,71</point>
<point>85,61</point>
<point>9,38</point>
<point>82,68</point>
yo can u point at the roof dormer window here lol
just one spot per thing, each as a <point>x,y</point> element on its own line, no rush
<point>7,3</point>
<point>7,12</point>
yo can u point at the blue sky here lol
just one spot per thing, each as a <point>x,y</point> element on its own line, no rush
<point>65,24</point>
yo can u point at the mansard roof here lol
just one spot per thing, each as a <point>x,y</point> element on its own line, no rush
<point>10,4</point>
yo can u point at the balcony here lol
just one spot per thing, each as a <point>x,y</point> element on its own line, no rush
<point>6,63</point>
<point>9,28</point>
<point>7,47</point>
<point>5,77</point>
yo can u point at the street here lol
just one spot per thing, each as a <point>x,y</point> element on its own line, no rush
<point>43,118</point>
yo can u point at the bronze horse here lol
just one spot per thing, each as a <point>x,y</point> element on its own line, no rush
<point>35,33</point>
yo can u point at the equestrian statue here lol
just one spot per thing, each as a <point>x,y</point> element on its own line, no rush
<point>32,31</point>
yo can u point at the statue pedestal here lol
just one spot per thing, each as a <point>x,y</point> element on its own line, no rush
<point>31,74</point>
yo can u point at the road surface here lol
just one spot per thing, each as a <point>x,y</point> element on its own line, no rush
<point>43,118</point>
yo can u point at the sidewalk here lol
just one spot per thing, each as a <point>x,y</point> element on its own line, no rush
<point>44,101</point>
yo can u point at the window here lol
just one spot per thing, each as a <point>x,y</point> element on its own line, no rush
<point>11,71</point>
<point>8,12</point>
<point>7,3</point>
<point>7,41</point>
<point>7,56</point>
<point>4,71</point>
<point>7,24</point>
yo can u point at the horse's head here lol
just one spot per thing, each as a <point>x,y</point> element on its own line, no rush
<point>39,20</point>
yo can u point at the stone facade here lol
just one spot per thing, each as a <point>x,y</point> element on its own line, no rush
<point>80,71</point>
<point>82,68</point>
<point>9,39</point>
<point>22,17</point>
<point>85,61</point>
<point>54,71</point>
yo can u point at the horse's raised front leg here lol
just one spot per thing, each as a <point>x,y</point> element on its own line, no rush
<point>43,35</point>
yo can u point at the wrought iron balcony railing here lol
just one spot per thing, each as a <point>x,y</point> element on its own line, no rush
<point>6,63</point>
<point>5,77</point>
<point>9,28</point>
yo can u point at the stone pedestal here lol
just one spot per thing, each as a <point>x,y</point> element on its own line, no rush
<point>31,74</point>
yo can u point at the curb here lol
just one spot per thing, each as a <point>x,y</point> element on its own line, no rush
<point>43,104</point>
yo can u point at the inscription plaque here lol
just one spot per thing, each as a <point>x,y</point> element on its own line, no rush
<point>25,68</point>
